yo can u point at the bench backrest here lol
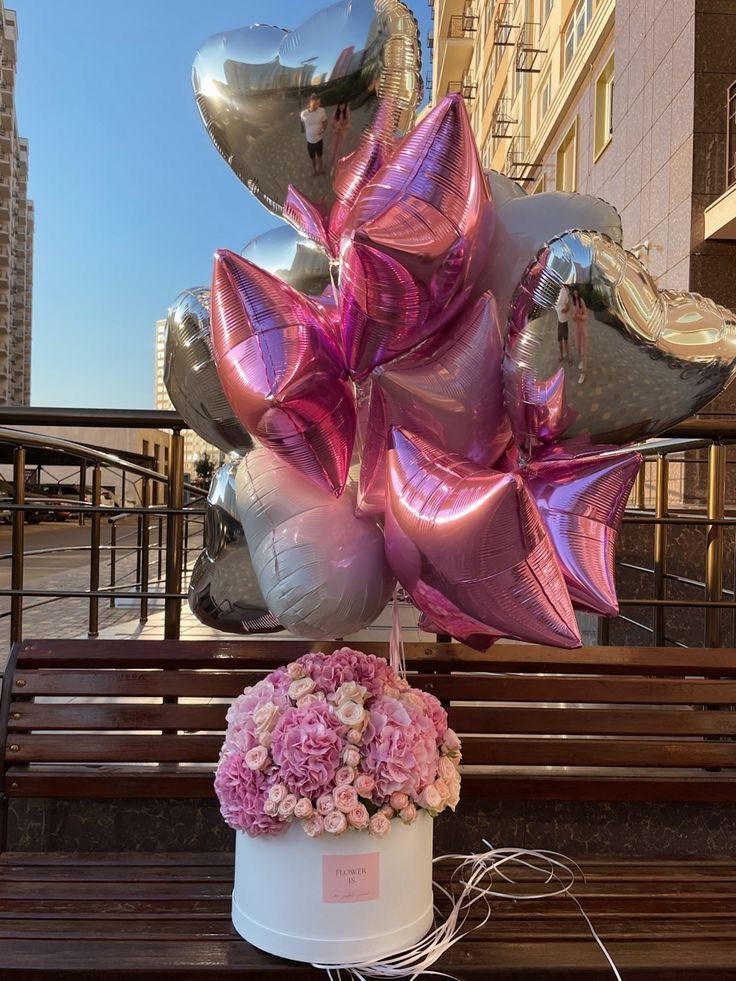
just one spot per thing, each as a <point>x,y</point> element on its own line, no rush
<point>146,718</point>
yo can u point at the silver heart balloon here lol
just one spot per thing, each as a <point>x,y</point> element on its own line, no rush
<point>526,222</point>
<point>291,257</point>
<point>223,590</point>
<point>641,359</point>
<point>253,86</point>
<point>191,378</point>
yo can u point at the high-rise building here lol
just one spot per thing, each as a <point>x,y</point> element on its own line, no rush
<point>634,102</point>
<point>194,446</point>
<point>16,232</point>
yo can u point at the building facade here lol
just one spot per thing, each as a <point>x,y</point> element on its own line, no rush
<point>194,446</point>
<point>16,232</point>
<point>632,101</point>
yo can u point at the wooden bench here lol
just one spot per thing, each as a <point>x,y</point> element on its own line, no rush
<point>144,719</point>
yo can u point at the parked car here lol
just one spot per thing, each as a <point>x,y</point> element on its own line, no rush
<point>71,492</point>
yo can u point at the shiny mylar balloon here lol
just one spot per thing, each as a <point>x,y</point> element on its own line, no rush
<point>642,360</point>
<point>253,88</point>
<point>582,501</point>
<point>414,249</point>
<point>470,547</point>
<point>290,257</point>
<point>525,223</point>
<point>453,399</point>
<point>282,371</point>
<point>223,589</point>
<point>191,378</point>
<point>321,569</point>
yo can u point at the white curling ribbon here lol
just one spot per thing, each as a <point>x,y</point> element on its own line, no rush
<point>396,653</point>
<point>474,872</point>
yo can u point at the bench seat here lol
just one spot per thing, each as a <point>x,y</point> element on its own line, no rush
<point>123,915</point>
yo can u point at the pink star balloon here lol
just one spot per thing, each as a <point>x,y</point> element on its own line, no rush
<point>452,398</point>
<point>413,249</point>
<point>582,501</point>
<point>470,547</point>
<point>282,371</point>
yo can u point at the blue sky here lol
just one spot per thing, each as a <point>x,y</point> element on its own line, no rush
<point>131,197</point>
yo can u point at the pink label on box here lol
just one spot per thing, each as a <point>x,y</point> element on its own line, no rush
<point>349,878</point>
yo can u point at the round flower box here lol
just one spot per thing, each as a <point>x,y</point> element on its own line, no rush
<point>336,898</point>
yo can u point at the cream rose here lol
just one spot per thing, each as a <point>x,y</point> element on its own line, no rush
<point>350,691</point>
<point>351,714</point>
<point>257,758</point>
<point>379,825</point>
<point>451,741</point>
<point>354,737</point>
<point>265,717</point>
<point>277,793</point>
<point>296,671</point>
<point>301,687</point>
<point>447,769</point>
<point>325,804</point>
<point>287,806</point>
<point>408,814</point>
<point>314,826</point>
<point>345,775</point>
<point>364,784</point>
<point>303,809</point>
<point>351,756</point>
<point>397,800</point>
<point>430,798</point>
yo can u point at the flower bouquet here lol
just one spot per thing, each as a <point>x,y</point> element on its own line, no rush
<point>316,752</point>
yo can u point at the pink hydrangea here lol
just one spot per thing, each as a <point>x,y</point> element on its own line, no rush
<point>306,745</point>
<point>241,725</point>
<point>436,713</point>
<point>400,747</point>
<point>242,793</point>
<point>331,671</point>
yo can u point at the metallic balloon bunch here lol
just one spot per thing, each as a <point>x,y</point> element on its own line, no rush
<point>427,420</point>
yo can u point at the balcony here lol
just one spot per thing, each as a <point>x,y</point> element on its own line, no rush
<point>720,216</point>
<point>528,50</point>
<point>502,119</point>
<point>463,26</point>
<point>504,25</point>
<point>466,86</point>
<point>455,32</point>
<point>520,166</point>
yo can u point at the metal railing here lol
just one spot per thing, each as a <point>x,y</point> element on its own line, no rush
<point>731,137</point>
<point>175,524</point>
<point>676,562</point>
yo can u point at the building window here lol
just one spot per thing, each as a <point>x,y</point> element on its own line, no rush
<point>487,20</point>
<point>576,25</point>
<point>545,96</point>
<point>546,10</point>
<point>567,163</point>
<point>604,108</point>
<point>487,85</point>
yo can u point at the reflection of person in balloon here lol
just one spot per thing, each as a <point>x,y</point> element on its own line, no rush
<point>562,308</point>
<point>340,127</point>
<point>580,319</point>
<point>314,121</point>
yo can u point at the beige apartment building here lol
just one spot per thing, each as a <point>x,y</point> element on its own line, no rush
<point>631,100</point>
<point>194,446</point>
<point>16,232</point>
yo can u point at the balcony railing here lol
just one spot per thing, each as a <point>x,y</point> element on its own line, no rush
<point>731,138</point>
<point>504,25</point>
<point>520,167</point>
<point>463,26</point>
<point>466,86</point>
<point>503,119</point>
<point>528,49</point>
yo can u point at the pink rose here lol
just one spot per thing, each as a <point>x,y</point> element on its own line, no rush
<point>430,798</point>
<point>301,687</point>
<point>265,716</point>
<point>408,814</point>
<point>364,784</point>
<point>354,737</point>
<point>387,810</point>
<point>344,775</point>
<point>307,745</point>
<point>277,793</point>
<point>295,670</point>
<point>335,823</point>
<point>286,807</point>
<point>351,756</point>
<point>447,768</point>
<point>442,789</point>
<point>257,758</point>
<point>350,714</point>
<point>379,825</point>
<point>400,747</point>
<point>270,807</point>
<point>358,817</point>
<point>454,785</point>
<point>397,800</point>
<point>451,741</point>
<point>314,826</point>
<point>303,809</point>
<point>325,804</point>
<point>346,798</point>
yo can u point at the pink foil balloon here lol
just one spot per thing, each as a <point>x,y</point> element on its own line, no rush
<point>281,370</point>
<point>470,547</point>
<point>307,217</point>
<point>415,244</point>
<point>582,502</point>
<point>453,399</point>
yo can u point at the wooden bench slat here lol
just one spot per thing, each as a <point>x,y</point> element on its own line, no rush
<point>146,684</point>
<point>571,786</point>
<point>572,721</point>
<point>484,750</point>
<point>111,782</point>
<point>105,747</point>
<point>44,715</point>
